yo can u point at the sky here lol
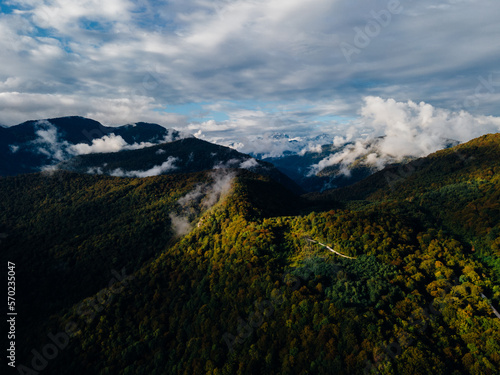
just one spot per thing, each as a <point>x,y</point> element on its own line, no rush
<point>238,72</point>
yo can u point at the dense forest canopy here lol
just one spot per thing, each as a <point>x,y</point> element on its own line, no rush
<point>213,272</point>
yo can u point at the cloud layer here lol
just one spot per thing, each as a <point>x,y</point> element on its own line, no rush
<point>253,67</point>
<point>50,143</point>
<point>400,130</point>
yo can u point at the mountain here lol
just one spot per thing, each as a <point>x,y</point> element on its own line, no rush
<point>83,145</point>
<point>477,159</point>
<point>90,228</point>
<point>29,146</point>
<point>335,166</point>
<point>182,156</point>
<point>282,144</point>
<point>299,168</point>
<point>459,186</point>
<point>225,272</point>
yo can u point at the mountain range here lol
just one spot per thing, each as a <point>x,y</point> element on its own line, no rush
<point>298,166</point>
<point>143,149</point>
<point>86,146</point>
<point>222,270</point>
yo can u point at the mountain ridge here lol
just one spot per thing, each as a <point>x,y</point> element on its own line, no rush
<point>242,290</point>
<point>31,145</point>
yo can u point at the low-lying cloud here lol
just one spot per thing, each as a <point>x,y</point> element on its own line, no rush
<point>249,163</point>
<point>108,143</point>
<point>405,129</point>
<point>180,224</point>
<point>165,167</point>
<point>48,142</point>
<point>222,184</point>
<point>200,199</point>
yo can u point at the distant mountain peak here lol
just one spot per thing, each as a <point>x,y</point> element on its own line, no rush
<point>35,144</point>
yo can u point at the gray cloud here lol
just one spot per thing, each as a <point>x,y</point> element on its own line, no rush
<point>125,61</point>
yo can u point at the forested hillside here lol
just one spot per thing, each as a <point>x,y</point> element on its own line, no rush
<point>243,289</point>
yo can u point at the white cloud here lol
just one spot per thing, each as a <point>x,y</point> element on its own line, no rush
<point>201,198</point>
<point>193,196</point>
<point>167,166</point>
<point>231,163</point>
<point>48,142</point>
<point>95,170</point>
<point>108,143</point>
<point>220,187</point>
<point>249,164</point>
<point>180,224</point>
<point>408,129</point>
<point>311,148</point>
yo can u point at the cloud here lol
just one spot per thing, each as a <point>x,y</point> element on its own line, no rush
<point>201,198</point>
<point>95,170</point>
<point>21,106</point>
<point>193,196</point>
<point>405,129</point>
<point>48,142</point>
<point>316,148</point>
<point>209,194</point>
<point>130,60</point>
<point>249,164</point>
<point>180,224</point>
<point>167,166</point>
<point>220,187</point>
<point>272,129</point>
<point>231,163</point>
<point>108,143</point>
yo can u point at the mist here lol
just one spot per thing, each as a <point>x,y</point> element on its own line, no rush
<point>202,198</point>
<point>404,129</point>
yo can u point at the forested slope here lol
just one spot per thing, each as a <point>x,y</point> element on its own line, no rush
<point>245,292</point>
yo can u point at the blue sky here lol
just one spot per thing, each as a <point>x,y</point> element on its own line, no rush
<point>238,71</point>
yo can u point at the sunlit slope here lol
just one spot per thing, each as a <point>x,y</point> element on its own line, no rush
<point>246,292</point>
